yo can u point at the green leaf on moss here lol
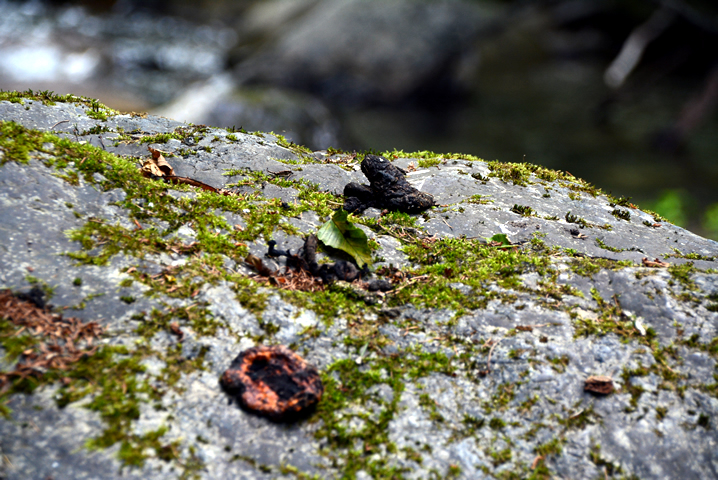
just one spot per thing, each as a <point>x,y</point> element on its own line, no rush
<point>501,239</point>
<point>340,233</point>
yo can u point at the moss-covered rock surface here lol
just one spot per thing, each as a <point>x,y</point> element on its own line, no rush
<point>473,366</point>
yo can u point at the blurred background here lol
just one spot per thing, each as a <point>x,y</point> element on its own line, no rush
<point>621,93</point>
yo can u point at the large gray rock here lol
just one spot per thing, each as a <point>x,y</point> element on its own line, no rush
<point>416,383</point>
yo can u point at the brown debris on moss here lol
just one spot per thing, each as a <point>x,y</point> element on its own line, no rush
<point>58,342</point>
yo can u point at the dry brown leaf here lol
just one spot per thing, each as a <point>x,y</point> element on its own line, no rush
<point>175,328</point>
<point>163,165</point>
<point>655,263</point>
<point>536,461</point>
<point>599,384</point>
<point>157,165</point>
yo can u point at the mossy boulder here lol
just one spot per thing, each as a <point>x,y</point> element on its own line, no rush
<point>473,366</point>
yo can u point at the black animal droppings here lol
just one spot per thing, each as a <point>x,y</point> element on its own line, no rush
<point>273,252</point>
<point>380,286</point>
<point>307,260</point>
<point>388,189</point>
<point>36,296</point>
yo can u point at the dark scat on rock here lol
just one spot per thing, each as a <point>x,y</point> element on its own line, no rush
<point>388,189</point>
<point>36,296</point>
<point>307,260</point>
<point>340,270</point>
<point>380,286</point>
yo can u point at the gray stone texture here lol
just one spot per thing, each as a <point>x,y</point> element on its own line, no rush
<point>532,395</point>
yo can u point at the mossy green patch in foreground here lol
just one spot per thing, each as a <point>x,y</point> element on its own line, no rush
<point>471,262</point>
<point>346,383</point>
<point>116,383</point>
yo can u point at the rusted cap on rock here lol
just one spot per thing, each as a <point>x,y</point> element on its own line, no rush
<point>273,381</point>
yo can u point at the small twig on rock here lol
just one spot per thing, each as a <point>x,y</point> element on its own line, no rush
<point>410,282</point>
<point>493,344</point>
<point>58,123</point>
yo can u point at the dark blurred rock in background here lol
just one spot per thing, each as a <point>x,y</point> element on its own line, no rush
<point>358,52</point>
<point>619,92</point>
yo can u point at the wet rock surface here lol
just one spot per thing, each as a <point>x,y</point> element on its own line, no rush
<point>405,378</point>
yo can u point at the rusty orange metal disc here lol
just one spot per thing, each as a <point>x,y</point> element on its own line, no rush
<point>273,381</point>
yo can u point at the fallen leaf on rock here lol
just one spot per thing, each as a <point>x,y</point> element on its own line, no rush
<point>537,460</point>
<point>500,240</point>
<point>157,165</point>
<point>274,382</point>
<point>340,233</point>
<point>654,263</point>
<point>175,328</point>
<point>599,384</point>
